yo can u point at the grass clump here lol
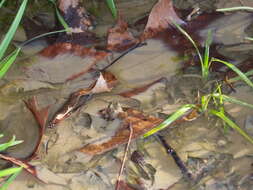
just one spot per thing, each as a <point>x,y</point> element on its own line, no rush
<point>13,171</point>
<point>213,103</point>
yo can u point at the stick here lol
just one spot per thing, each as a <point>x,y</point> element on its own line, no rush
<point>124,158</point>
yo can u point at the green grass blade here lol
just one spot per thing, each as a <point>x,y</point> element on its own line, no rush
<point>60,17</point>
<point>179,113</point>
<point>205,102</point>
<point>234,79</point>
<point>2,2</point>
<point>231,124</point>
<point>243,8</point>
<point>236,70</point>
<point>10,179</point>
<point>5,43</point>
<point>40,36</point>
<point>9,171</point>
<point>12,142</point>
<point>193,43</point>
<point>7,62</point>
<point>207,55</point>
<point>112,7</point>
<point>234,100</point>
<point>248,38</point>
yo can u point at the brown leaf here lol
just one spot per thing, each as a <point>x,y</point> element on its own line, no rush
<point>138,90</point>
<point>29,168</point>
<point>119,37</point>
<point>105,82</point>
<point>78,50</point>
<point>41,115</point>
<point>124,186</point>
<point>77,18</point>
<point>140,124</point>
<point>161,16</point>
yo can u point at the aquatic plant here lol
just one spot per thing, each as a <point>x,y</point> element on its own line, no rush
<point>217,96</point>
<point>112,7</point>
<point>13,171</point>
<point>6,63</point>
<point>205,60</point>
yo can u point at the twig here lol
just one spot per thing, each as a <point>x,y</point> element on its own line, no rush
<point>124,158</point>
<point>123,54</point>
<point>176,158</point>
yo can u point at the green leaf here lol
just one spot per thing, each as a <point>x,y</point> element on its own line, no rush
<point>60,17</point>
<point>206,55</point>
<point>40,36</point>
<point>7,62</point>
<point>12,142</point>
<point>8,37</point>
<point>11,178</point>
<point>2,2</point>
<point>179,113</point>
<point>194,44</point>
<point>233,100</point>
<point>9,171</point>
<point>231,124</point>
<point>112,7</point>
<point>248,73</point>
<point>243,8</point>
<point>236,70</point>
<point>205,102</point>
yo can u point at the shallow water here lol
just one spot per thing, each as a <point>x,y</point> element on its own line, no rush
<point>221,160</point>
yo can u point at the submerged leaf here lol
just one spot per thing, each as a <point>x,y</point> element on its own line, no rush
<point>161,16</point>
<point>119,37</point>
<point>41,115</point>
<point>140,123</point>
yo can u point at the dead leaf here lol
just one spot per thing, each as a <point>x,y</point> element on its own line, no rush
<point>105,82</point>
<point>71,48</point>
<point>124,186</point>
<point>138,90</point>
<point>119,37</point>
<point>76,16</point>
<point>140,124</point>
<point>29,168</point>
<point>53,69</point>
<point>41,115</point>
<point>161,16</point>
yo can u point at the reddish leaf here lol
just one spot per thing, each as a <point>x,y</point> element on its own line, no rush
<point>124,186</point>
<point>41,115</point>
<point>119,37</point>
<point>138,90</point>
<point>76,16</point>
<point>140,124</point>
<point>161,16</point>
<point>78,50</point>
<point>29,168</point>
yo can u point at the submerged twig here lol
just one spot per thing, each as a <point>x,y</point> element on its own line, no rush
<point>176,158</point>
<point>124,53</point>
<point>124,158</point>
